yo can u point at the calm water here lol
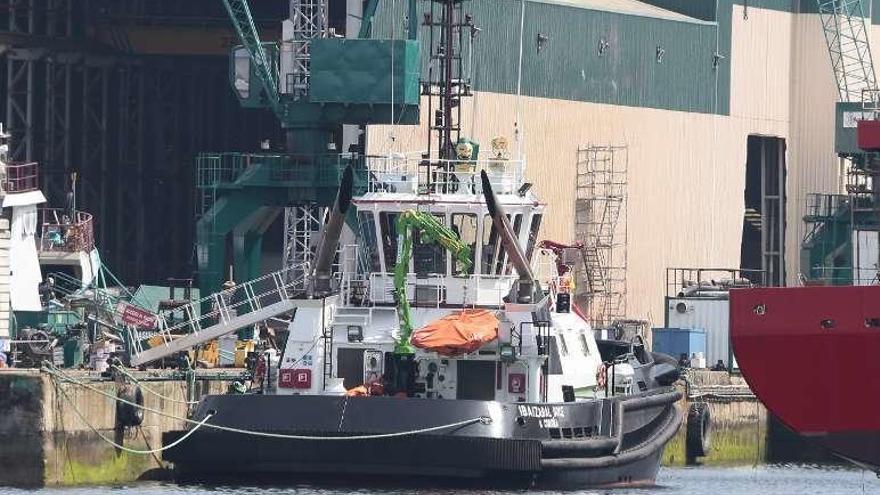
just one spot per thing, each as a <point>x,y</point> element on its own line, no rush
<point>765,480</point>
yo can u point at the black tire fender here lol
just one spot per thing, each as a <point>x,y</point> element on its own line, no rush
<point>699,430</point>
<point>128,415</point>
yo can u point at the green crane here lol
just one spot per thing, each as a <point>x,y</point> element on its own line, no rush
<point>240,15</point>
<point>430,230</point>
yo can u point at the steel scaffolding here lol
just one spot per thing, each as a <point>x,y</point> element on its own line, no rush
<point>301,224</point>
<point>309,19</point>
<point>600,222</point>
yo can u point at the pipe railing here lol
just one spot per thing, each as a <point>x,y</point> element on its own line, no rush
<point>21,177</point>
<point>61,233</point>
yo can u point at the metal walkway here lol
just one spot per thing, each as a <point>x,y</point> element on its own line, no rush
<point>227,311</point>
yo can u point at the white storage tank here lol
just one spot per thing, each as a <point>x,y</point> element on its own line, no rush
<point>709,313</point>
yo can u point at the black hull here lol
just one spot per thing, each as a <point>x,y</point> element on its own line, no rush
<point>613,442</point>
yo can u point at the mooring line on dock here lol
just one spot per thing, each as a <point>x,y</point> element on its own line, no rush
<point>151,391</point>
<point>59,375</point>
<point>123,447</point>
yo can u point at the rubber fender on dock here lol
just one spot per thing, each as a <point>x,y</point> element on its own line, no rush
<point>128,415</point>
<point>699,434</point>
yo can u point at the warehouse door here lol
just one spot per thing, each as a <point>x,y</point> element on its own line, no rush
<point>763,234</point>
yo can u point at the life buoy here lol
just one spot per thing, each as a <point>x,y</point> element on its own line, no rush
<point>601,377</point>
<point>128,415</point>
<point>699,434</point>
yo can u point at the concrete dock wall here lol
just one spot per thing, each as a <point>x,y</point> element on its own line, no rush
<point>43,441</point>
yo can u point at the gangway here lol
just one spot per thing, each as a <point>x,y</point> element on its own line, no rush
<point>232,309</point>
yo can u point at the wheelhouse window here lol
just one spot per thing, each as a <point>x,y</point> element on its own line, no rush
<point>517,228</point>
<point>534,227</point>
<point>491,247</point>
<point>465,226</point>
<point>494,259</point>
<point>388,231</point>
<point>563,346</point>
<point>367,245</point>
<point>585,348</point>
<point>242,64</point>
<point>429,257</point>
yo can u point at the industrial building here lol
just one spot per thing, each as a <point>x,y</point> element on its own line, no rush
<point>698,127</point>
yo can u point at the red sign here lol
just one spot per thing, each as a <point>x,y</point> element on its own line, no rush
<point>135,316</point>
<point>298,378</point>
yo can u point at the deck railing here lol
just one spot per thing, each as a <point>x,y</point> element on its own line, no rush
<point>406,174</point>
<point>21,177</point>
<point>393,173</point>
<point>61,233</point>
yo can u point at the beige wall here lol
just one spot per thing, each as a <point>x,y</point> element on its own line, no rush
<point>686,170</point>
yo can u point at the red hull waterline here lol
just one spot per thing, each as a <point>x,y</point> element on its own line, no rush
<point>812,356</point>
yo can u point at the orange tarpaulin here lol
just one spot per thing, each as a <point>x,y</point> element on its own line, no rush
<point>458,333</point>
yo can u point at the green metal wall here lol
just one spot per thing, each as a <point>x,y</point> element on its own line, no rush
<point>706,9</point>
<point>568,66</point>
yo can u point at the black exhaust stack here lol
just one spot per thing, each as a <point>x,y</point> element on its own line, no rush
<point>526,283</point>
<point>322,272</point>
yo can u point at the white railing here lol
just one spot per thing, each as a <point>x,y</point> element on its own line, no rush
<point>406,174</point>
<point>227,308</point>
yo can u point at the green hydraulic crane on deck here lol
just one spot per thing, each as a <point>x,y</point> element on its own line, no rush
<point>430,230</point>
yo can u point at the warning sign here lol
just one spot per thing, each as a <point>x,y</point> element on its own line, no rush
<point>132,315</point>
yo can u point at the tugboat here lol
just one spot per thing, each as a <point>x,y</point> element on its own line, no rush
<point>425,346</point>
<point>498,378</point>
<point>433,351</point>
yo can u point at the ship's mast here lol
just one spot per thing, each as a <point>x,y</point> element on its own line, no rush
<point>446,82</point>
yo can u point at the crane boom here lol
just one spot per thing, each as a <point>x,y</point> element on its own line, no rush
<point>843,23</point>
<point>430,230</point>
<point>243,22</point>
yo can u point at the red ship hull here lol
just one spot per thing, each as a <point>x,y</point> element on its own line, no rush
<point>812,356</point>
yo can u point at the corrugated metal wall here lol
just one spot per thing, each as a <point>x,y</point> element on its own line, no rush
<point>568,64</point>
<point>711,315</point>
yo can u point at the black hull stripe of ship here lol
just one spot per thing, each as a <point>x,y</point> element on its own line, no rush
<point>628,458</point>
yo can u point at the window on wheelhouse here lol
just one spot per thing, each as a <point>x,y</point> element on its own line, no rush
<point>563,346</point>
<point>388,231</point>
<point>367,244</point>
<point>494,259</point>
<point>517,228</point>
<point>584,346</point>
<point>242,72</point>
<point>465,226</point>
<point>534,227</point>
<point>428,257</point>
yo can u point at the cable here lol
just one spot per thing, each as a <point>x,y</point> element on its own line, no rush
<point>518,124</point>
<point>123,447</point>
<point>482,419</point>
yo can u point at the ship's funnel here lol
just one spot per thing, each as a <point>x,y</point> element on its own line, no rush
<point>526,281</point>
<point>322,273</point>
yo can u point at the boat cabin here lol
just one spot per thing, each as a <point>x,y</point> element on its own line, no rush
<point>341,343</point>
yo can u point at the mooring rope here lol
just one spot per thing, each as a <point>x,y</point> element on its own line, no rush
<point>58,374</point>
<point>151,391</point>
<point>123,447</point>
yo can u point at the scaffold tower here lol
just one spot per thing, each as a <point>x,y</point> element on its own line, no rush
<point>600,222</point>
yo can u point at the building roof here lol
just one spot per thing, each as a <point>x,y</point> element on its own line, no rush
<point>629,7</point>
